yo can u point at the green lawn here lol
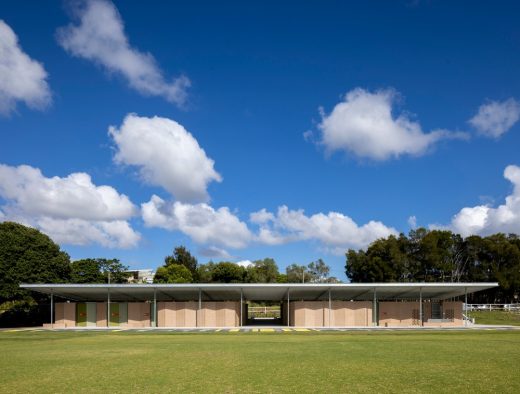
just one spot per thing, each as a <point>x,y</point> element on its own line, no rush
<point>144,362</point>
<point>496,317</point>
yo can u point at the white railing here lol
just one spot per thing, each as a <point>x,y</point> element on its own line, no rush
<point>493,307</point>
<point>264,312</point>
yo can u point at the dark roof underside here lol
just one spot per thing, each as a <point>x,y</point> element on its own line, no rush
<point>258,292</point>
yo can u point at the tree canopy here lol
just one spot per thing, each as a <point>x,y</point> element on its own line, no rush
<point>28,256</point>
<point>441,256</point>
<point>173,273</point>
<point>315,272</point>
<point>98,271</point>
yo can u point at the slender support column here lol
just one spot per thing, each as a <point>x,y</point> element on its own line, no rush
<point>200,308</point>
<point>330,307</point>
<point>374,308</point>
<point>155,308</point>
<point>420,307</point>
<point>288,308</point>
<point>52,308</point>
<point>465,307</point>
<point>241,307</point>
<point>108,307</point>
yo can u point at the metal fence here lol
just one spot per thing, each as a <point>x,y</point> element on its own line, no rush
<point>493,307</point>
<point>255,312</point>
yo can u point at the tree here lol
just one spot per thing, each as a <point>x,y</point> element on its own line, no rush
<point>205,272</point>
<point>442,256</point>
<point>227,272</point>
<point>27,256</point>
<point>99,271</point>
<point>182,256</point>
<point>319,271</point>
<point>262,271</point>
<point>298,274</point>
<point>173,273</point>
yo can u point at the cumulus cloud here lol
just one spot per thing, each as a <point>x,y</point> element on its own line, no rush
<point>262,216</point>
<point>201,222</point>
<point>363,124</point>
<point>21,78</point>
<point>412,222</point>
<point>111,234</point>
<point>333,230</point>
<point>213,251</point>
<point>167,155</point>
<point>99,36</point>
<point>244,263</point>
<point>495,118</point>
<point>71,209</point>
<point>485,219</point>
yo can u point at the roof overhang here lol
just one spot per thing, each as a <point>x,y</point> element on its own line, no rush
<point>258,292</point>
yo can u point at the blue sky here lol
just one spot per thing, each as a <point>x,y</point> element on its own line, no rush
<point>305,129</point>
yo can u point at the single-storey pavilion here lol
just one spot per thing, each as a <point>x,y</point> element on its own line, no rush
<point>225,305</point>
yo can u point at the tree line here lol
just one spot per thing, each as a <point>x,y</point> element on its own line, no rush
<point>29,256</point>
<point>442,256</point>
<point>182,267</point>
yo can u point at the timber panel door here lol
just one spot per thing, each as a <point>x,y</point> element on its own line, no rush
<point>114,314</point>
<point>81,314</point>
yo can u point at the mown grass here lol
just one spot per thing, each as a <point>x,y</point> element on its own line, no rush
<point>496,317</point>
<point>146,362</point>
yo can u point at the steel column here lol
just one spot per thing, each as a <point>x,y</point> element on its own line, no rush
<point>52,308</point>
<point>420,307</point>
<point>155,308</point>
<point>200,308</point>
<point>374,308</point>
<point>108,307</point>
<point>288,308</point>
<point>330,307</point>
<point>241,307</point>
<point>465,317</point>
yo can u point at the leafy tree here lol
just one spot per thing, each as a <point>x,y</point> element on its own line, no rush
<point>205,272</point>
<point>442,256</point>
<point>173,273</point>
<point>298,274</point>
<point>281,278</point>
<point>227,272</point>
<point>99,271</point>
<point>27,256</point>
<point>262,271</point>
<point>319,271</point>
<point>182,256</point>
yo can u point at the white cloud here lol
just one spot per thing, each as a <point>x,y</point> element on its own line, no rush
<point>333,230</point>
<point>260,217</point>
<point>72,196</point>
<point>412,222</point>
<point>201,222</point>
<point>244,263</point>
<point>363,124</point>
<point>111,234</point>
<point>495,118</point>
<point>21,78</point>
<point>71,209</point>
<point>485,220</point>
<point>167,154</point>
<point>99,37</point>
<point>213,251</point>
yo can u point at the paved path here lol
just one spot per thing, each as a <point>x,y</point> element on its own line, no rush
<point>263,329</point>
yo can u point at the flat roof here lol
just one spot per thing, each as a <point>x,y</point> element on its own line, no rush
<point>258,291</point>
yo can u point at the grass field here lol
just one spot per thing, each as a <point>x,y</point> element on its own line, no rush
<point>460,361</point>
<point>496,317</point>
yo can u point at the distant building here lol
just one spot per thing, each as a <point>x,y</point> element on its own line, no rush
<point>141,276</point>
